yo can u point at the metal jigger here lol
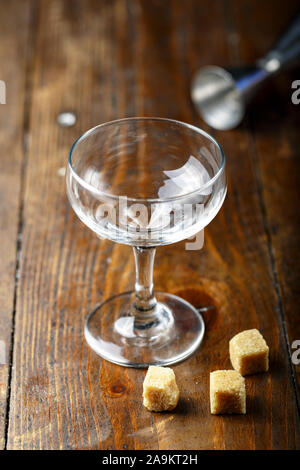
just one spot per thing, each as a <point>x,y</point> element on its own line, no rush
<point>221,95</point>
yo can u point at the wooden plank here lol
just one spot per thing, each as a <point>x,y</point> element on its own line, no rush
<point>105,60</point>
<point>275,128</point>
<point>244,236</point>
<point>14,26</point>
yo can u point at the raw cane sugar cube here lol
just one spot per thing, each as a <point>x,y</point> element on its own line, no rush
<point>249,353</point>
<point>160,391</point>
<point>227,392</point>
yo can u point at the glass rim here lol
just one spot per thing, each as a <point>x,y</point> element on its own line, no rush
<point>97,191</point>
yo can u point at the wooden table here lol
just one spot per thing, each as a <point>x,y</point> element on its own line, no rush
<point>103,60</point>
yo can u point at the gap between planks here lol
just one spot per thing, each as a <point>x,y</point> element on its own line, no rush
<point>26,125</point>
<point>272,262</point>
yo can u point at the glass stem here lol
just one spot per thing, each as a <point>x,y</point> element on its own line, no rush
<point>144,299</point>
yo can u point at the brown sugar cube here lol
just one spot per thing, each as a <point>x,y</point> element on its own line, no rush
<point>227,392</point>
<point>160,391</point>
<point>249,353</point>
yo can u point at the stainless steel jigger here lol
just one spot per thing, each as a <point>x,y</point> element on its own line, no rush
<point>221,95</point>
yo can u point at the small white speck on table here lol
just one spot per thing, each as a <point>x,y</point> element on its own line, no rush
<point>66,119</point>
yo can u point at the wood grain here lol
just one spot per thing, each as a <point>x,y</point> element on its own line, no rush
<point>14,25</point>
<point>274,124</point>
<point>112,59</point>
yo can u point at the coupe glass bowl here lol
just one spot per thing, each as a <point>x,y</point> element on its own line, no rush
<point>145,182</point>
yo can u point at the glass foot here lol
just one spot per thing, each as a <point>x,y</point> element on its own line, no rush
<point>168,334</point>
